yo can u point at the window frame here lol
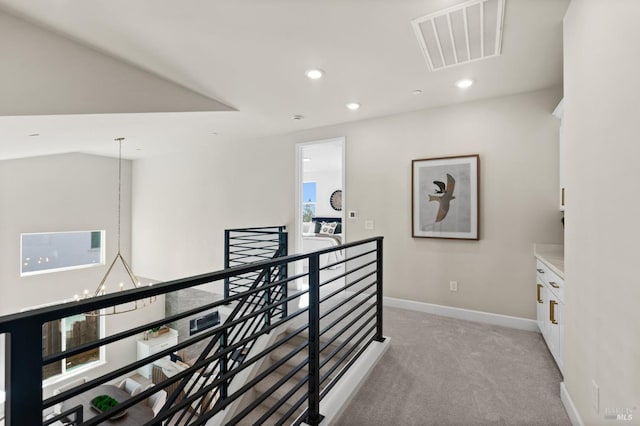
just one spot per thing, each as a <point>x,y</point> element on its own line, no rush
<point>64,375</point>
<point>102,249</point>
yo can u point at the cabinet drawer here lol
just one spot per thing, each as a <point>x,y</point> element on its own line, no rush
<point>549,278</point>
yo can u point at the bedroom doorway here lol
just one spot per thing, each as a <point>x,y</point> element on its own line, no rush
<point>320,200</point>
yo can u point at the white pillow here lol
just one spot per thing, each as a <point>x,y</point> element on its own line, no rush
<point>328,228</point>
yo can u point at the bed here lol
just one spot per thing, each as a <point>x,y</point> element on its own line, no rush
<point>322,233</point>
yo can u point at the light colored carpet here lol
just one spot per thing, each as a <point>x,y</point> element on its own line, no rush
<point>444,371</point>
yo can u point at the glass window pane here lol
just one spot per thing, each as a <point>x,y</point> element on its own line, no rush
<point>51,251</point>
<point>309,192</point>
<point>51,344</point>
<point>81,329</point>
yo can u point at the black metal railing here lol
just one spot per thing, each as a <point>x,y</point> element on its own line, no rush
<point>256,366</point>
<point>243,246</point>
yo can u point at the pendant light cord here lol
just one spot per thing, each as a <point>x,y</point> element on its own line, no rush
<point>119,186</point>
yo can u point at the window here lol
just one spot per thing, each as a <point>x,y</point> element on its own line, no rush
<point>308,201</point>
<point>69,333</point>
<point>58,251</point>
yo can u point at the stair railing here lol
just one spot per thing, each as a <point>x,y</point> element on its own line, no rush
<point>342,316</point>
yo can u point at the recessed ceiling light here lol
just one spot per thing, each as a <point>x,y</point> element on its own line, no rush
<point>353,106</point>
<point>314,74</point>
<point>464,83</point>
<point>306,159</point>
<point>297,117</point>
<point>417,92</point>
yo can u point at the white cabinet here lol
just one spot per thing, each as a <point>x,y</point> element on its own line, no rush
<point>550,310</point>
<point>153,346</point>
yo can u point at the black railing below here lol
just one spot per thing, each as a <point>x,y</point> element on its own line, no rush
<point>334,314</point>
<point>247,245</point>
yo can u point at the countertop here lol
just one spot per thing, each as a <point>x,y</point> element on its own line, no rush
<point>551,255</point>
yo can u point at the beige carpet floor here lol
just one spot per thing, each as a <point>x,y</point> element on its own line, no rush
<point>444,371</point>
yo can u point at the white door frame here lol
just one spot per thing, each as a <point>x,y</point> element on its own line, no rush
<point>298,186</point>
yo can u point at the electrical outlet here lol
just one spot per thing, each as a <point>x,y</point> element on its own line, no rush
<point>596,396</point>
<point>453,286</point>
<point>368,224</point>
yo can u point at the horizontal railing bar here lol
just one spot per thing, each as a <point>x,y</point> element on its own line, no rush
<point>252,360</point>
<point>272,389</point>
<point>293,409</point>
<point>346,299</point>
<point>352,271</point>
<point>245,247</point>
<point>264,255</point>
<point>364,336</point>
<point>119,372</point>
<point>284,399</point>
<point>233,240</point>
<point>119,336</point>
<point>335,337</point>
<point>349,312</point>
<point>205,362</point>
<point>252,239</point>
<point>11,322</point>
<point>242,252</point>
<point>345,260</point>
<point>260,229</point>
<point>341,373</point>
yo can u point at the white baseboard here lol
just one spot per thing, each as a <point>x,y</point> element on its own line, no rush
<point>569,407</point>
<point>343,392</point>
<point>464,314</point>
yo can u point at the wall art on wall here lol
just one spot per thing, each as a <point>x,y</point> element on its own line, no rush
<point>444,200</point>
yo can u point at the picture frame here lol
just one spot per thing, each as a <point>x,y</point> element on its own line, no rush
<point>445,197</point>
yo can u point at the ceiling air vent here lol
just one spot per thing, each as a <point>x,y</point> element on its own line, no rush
<point>464,33</point>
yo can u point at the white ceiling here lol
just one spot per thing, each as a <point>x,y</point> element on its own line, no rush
<point>249,57</point>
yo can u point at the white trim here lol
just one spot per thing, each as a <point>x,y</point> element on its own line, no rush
<point>464,314</point>
<point>343,392</point>
<point>569,407</point>
<point>298,182</point>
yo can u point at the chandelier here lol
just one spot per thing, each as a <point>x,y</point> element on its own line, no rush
<point>101,289</point>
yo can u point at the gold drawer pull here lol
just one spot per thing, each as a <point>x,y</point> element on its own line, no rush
<point>553,284</point>
<point>552,311</point>
<point>539,287</point>
<point>540,271</point>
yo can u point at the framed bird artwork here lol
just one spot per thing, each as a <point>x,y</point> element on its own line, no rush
<point>444,200</point>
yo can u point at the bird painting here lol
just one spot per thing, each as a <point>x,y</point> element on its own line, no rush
<point>444,195</point>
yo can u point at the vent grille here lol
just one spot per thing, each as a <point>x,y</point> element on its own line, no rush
<point>464,33</point>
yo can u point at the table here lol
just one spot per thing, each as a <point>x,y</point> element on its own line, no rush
<point>136,415</point>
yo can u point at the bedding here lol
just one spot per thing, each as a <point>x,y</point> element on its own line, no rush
<point>313,239</point>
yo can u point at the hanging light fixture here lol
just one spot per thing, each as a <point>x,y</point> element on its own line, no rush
<point>102,289</point>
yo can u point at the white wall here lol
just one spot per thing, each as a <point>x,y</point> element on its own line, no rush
<point>602,125</point>
<point>65,193</point>
<point>182,205</point>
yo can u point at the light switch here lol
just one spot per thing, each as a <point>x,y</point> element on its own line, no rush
<point>352,215</point>
<point>368,224</point>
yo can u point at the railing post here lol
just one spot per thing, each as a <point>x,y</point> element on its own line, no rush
<point>283,243</point>
<point>313,415</point>
<point>224,364</point>
<point>267,297</point>
<point>23,374</point>
<point>226,262</point>
<point>379,336</point>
